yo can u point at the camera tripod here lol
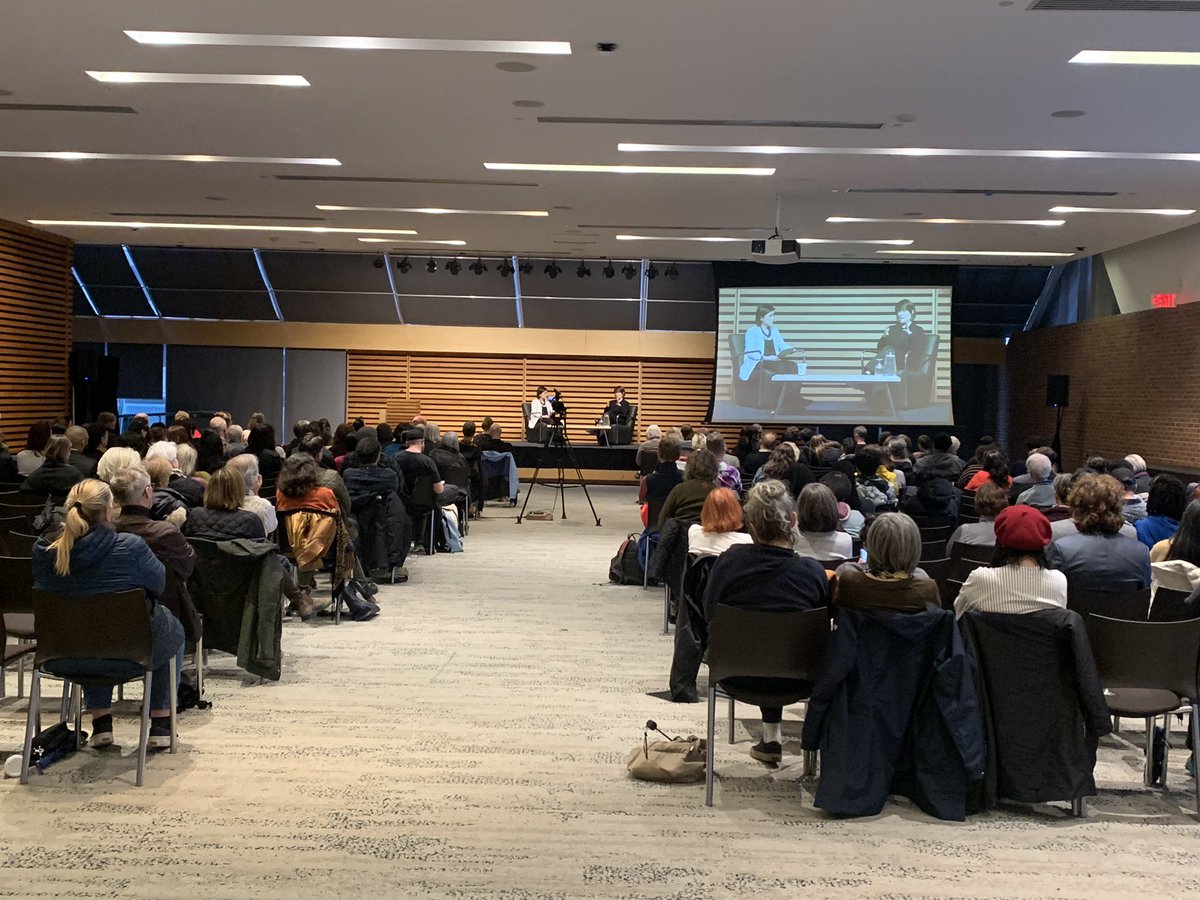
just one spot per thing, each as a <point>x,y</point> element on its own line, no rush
<point>558,443</point>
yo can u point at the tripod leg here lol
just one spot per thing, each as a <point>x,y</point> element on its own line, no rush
<point>529,492</point>
<point>582,483</point>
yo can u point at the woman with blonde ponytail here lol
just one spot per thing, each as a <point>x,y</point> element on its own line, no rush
<point>85,558</point>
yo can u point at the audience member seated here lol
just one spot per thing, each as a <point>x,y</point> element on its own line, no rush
<point>850,519</point>
<point>1133,507</point>
<point>32,456</point>
<point>210,451</point>
<point>898,457</point>
<point>246,465</point>
<point>657,486</point>
<point>990,501</point>
<point>1040,493</point>
<point>87,558</point>
<point>749,440</point>
<point>934,505</point>
<point>686,499</point>
<point>647,455</point>
<point>975,466</point>
<point>222,517</point>
<point>133,495</point>
<point>186,480</point>
<point>55,476</point>
<point>493,440</point>
<point>167,505</point>
<point>1061,510</point>
<point>756,459</point>
<point>721,522</point>
<point>261,444</point>
<point>1100,557</point>
<point>235,443</point>
<point>413,463</point>
<point>78,436</point>
<point>451,463</point>
<point>876,493</point>
<point>766,576</point>
<point>314,446</point>
<point>1137,465</point>
<point>817,521</point>
<point>1020,579</point>
<point>1164,510</point>
<point>939,462</point>
<point>115,459</point>
<point>1176,562</point>
<point>890,579</point>
<point>994,469</point>
<point>728,473</point>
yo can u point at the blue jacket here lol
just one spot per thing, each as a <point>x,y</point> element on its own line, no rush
<point>1101,562</point>
<point>1153,529</point>
<point>102,562</point>
<point>895,712</point>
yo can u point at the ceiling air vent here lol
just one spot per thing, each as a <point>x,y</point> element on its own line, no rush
<point>65,107</point>
<point>1117,5</point>
<point>985,192</point>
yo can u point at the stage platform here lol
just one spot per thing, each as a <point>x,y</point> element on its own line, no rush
<point>590,456</point>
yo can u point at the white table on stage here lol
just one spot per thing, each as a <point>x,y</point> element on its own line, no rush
<point>834,378</point>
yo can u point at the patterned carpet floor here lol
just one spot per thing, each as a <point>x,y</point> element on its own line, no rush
<point>471,741</point>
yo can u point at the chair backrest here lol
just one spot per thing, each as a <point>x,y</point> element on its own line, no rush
<point>102,626</point>
<point>1130,605</point>
<point>1146,655</point>
<point>936,533</point>
<point>23,514</point>
<point>23,498</point>
<point>1171,606</point>
<point>20,544</point>
<point>746,642</point>
<point>283,535</point>
<point>737,347</point>
<point>980,553</point>
<point>931,550</point>
<point>16,585</point>
<point>423,496</point>
<point>937,569</point>
<point>9,524</point>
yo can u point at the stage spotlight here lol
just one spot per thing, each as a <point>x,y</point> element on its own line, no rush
<point>454,267</point>
<point>672,271</point>
<point>478,267</point>
<point>608,270</point>
<point>377,262</point>
<point>506,269</point>
<point>431,266</point>
<point>553,269</point>
<point>526,268</point>
<point>404,266</point>
<point>630,271</point>
<point>583,271</point>
<point>652,272</point>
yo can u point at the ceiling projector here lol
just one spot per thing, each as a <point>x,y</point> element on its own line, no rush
<point>775,246</point>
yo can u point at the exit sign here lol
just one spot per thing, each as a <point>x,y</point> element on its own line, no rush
<point>1163,301</point>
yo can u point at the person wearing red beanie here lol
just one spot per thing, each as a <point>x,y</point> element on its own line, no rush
<point>1019,579</point>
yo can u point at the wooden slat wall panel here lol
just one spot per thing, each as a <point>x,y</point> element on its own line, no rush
<point>454,389</point>
<point>35,328</point>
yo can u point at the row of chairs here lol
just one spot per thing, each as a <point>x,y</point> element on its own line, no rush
<point>1147,670</point>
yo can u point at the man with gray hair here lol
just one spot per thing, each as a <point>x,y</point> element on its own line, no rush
<point>1041,474</point>
<point>235,442</point>
<point>647,455</point>
<point>219,425</point>
<point>133,494</point>
<point>246,465</point>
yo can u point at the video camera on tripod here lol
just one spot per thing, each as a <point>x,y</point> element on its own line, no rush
<point>556,432</point>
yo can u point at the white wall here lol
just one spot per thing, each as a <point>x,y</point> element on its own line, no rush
<point>1167,264</point>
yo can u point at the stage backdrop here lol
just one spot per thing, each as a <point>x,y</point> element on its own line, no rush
<point>456,389</point>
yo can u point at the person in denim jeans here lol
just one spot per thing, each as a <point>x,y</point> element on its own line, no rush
<point>86,558</point>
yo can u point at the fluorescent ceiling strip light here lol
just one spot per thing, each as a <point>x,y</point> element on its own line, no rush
<point>1137,58</point>
<point>77,156</point>
<point>345,42</point>
<point>627,170</point>
<point>1133,212</point>
<point>1020,253</point>
<point>781,150</point>
<point>197,78</point>
<point>209,226</point>
<point>1049,223</point>
<point>742,240</point>
<point>436,211</point>
<point>372,240</point>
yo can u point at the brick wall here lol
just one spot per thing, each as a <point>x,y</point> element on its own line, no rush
<point>1135,386</point>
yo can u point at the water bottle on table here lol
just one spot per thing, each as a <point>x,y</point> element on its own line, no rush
<point>889,363</point>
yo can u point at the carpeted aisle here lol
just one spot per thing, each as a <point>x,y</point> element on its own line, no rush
<point>470,742</point>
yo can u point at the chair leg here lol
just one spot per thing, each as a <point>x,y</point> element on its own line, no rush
<point>174,675</point>
<point>810,762</point>
<point>77,704</point>
<point>732,717</point>
<point>1079,807</point>
<point>710,752</point>
<point>31,720</point>
<point>1148,769</point>
<point>199,657</point>
<point>666,609</point>
<point>147,685</point>
<point>120,692</point>
<point>64,714</point>
<point>1195,726</point>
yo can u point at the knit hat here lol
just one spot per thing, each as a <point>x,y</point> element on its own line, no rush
<point>1022,528</point>
<point>1125,476</point>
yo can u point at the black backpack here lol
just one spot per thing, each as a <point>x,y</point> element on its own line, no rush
<point>624,568</point>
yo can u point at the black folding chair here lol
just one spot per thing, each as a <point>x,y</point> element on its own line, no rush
<point>1171,606</point>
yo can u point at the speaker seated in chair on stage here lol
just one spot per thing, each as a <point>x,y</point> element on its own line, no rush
<point>917,370</point>
<point>537,433</point>
<point>621,433</point>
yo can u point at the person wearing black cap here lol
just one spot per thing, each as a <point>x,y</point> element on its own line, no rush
<point>539,407</point>
<point>1020,579</point>
<point>1135,506</point>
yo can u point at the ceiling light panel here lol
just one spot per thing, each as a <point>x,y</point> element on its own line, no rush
<point>372,240</point>
<point>345,42</point>
<point>1014,253</point>
<point>1131,211</point>
<point>712,239</point>
<point>1136,58</point>
<point>915,152</point>
<point>1046,223</point>
<point>437,211</point>
<point>213,226</point>
<point>628,170</point>
<point>197,78</point>
<point>80,156</point>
